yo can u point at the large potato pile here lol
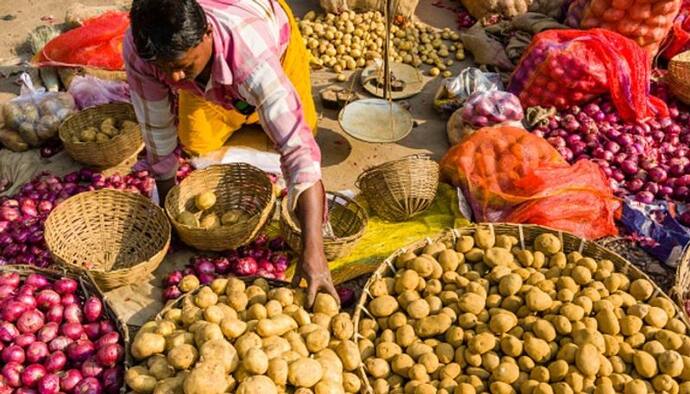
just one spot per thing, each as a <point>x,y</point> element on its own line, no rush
<point>488,316</point>
<point>347,41</point>
<point>230,337</point>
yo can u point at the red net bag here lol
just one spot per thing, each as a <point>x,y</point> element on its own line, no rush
<point>679,36</point>
<point>97,43</point>
<point>562,68</point>
<point>508,174</point>
<point>643,21</point>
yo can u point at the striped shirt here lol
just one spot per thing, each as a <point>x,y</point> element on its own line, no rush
<point>249,40</point>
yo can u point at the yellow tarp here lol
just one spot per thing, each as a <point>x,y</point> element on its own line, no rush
<point>382,238</point>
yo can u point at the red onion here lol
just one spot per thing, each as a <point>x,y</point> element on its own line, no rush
<point>245,266</point>
<point>59,344</point>
<point>222,266</point>
<point>50,384</point>
<point>5,291</point>
<point>9,214</point>
<point>54,314</point>
<point>32,374</point>
<point>113,379</point>
<point>68,299</point>
<point>47,298</point>
<point>70,379</point>
<point>91,368</point>
<point>26,298</point>
<point>9,279</point>
<point>73,313</point>
<point>12,310</point>
<point>13,353</point>
<point>111,338</point>
<point>106,327</point>
<point>645,197</point>
<point>12,373</point>
<point>204,266</point>
<point>93,308</point>
<point>171,293</point>
<point>89,386</point>
<point>173,278</point>
<point>38,281</point>
<point>56,361</point>
<point>65,286</point>
<point>37,352</point>
<point>80,350</point>
<point>30,322</point>
<point>92,330</point>
<point>24,340</point>
<point>72,330</point>
<point>206,278</point>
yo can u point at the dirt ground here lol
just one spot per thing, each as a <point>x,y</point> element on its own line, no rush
<point>343,157</point>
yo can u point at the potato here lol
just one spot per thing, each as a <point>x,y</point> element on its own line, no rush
<point>326,304</point>
<point>172,385</point>
<point>537,300</point>
<point>433,325</point>
<point>418,309</point>
<point>641,289</point>
<point>139,380</point>
<point>351,382</point>
<point>220,352</point>
<point>304,372</point>
<point>189,283</point>
<point>670,363</point>
<point>547,243</point>
<point>317,340</point>
<point>472,303</point>
<point>159,367</point>
<point>537,349</point>
<point>342,327</point>
<point>147,344</point>
<point>204,201</point>
<point>383,306</point>
<point>349,354</point>
<point>183,356</point>
<point>278,325</point>
<point>255,361</point>
<point>206,378</point>
<point>257,385</point>
<point>645,364</point>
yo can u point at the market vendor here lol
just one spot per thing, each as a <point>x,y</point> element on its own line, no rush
<point>201,69</point>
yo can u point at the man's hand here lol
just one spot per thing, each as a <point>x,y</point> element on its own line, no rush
<point>164,187</point>
<point>313,266</point>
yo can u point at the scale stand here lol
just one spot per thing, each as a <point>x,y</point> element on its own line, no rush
<point>378,119</point>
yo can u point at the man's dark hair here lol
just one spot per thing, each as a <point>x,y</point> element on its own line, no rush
<point>166,29</point>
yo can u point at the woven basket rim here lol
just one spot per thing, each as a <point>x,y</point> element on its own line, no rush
<point>452,234</point>
<point>118,193</point>
<point>682,57</point>
<point>386,166</point>
<point>82,277</point>
<point>286,217</point>
<point>198,173</point>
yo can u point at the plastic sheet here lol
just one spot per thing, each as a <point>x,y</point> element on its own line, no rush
<point>89,91</point>
<point>562,68</point>
<point>508,174</point>
<point>454,91</point>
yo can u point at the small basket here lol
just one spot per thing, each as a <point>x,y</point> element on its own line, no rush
<point>681,288</point>
<point>679,76</point>
<point>87,288</point>
<point>400,189</point>
<point>526,234</point>
<point>119,237</point>
<point>102,154</point>
<point>347,220</point>
<point>237,186</point>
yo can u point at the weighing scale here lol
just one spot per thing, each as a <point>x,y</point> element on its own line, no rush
<point>379,119</point>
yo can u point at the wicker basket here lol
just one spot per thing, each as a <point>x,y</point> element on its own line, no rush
<point>681,288</point>
<point>400,189</point>
<point>347,219</point>
<point>679,76</point>
<point>87,288</point>
<point>120,237</point>
<point>102,154</point>
<point>237,186</point>
<point>526,235</point>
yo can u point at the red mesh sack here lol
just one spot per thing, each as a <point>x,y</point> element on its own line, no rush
<point>562,68</point>
<point>97,43</point>
<point>679,36</point>
<point>643,21</point>
<point>508,174</point>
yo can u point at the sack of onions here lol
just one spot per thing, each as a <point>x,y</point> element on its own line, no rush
<point>57,334</point>
<point>482,109</point>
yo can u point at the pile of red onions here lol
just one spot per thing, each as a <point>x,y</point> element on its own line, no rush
<point>648,160</point>
<point>53,341</point>
<point>483,109</point>
<point>262,257</point>
<point>23,214</point>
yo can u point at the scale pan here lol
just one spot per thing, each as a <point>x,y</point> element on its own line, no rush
<point>375,120</point>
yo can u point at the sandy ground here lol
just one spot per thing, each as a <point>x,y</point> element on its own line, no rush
<point>343,157</point>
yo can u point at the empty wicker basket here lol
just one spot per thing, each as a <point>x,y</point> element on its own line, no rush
<point>679,76</point>
<point>120,237</point>
<point>400,189</point>
<point>346,219</point>
<point>238,187</point>
<point>102,154</point>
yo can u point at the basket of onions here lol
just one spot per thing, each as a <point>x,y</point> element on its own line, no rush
<point>221,207</point>
<point>58,334</point>
<point>119,237</point>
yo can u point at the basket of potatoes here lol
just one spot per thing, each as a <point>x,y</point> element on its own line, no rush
<point>102,136</point>
<point>238,336</point>
<point>221,207</point>
<point>518,309</point>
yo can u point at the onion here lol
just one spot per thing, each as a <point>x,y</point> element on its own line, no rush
<point>70,379</point>
<point>106,327</point>
<point>173,278</point>
<point>113,379</point>
<point>346,295</point>
<point>26,298</point>
<point>48,332</point>
<point>206,278</point>
<point>56,361</point>
<point>9,214</point>
<point>32,374</point>
<point>13,353</point>
<point>54,314</point>
<point>24,340</point>
<point>222,266</point>
<point>91,368</point>
<point>9,279</point>
<point>12,373</point>
<point>171,293</point>
<point>72,330</point>
<point>89,386</point>
<point>5,291</point>
<point>111,338</point>
<point>30,322</point>
<point>12,310</point>
<point>93,309</point>
<point>37,280</point>
<point>80,350</point>
<point>92,330</point>
<point>245,266</point>
<point>68,299</point>
<point>37,352</point>
<point>50,384</point>
<point>645,197</point>
<point>59,344</point>
<point>73,313</point>
<point>657,174</point>
<point>204,266</point>
<point>47,298</point>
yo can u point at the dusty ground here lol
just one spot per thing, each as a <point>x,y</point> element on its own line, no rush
<point>343,157</point>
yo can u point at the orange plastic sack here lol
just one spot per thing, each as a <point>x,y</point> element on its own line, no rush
<point>510,175</point>
<point>97,43</point>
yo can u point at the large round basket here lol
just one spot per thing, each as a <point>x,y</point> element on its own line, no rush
<point>525,235</point>
<point>102,154</point>
<point>346,223</point>
<point>87,288</point>
<point>400,189</point>
<point>679,76</point>
<point>238,187</point>
<point>119,237</point>
<point>681,288</point>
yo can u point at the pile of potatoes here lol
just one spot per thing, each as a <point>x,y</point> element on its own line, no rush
<point>484,315</point>
<point>206,218</point>
<point>349,40</point>
<point>108,129</point>
<point>230,337</point>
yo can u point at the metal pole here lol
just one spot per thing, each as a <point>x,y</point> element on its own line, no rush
<point>386,52</point>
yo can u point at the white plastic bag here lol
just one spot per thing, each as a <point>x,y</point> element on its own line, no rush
<point>37,114</point>
<point>89,91</point>
<point>454,91</point>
